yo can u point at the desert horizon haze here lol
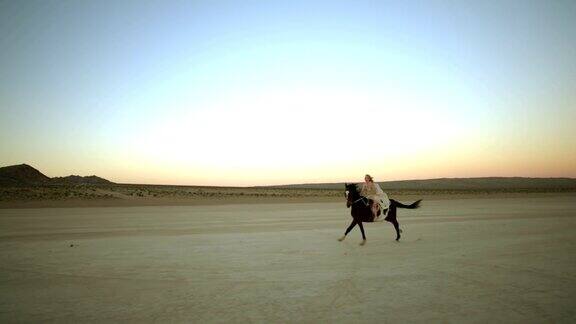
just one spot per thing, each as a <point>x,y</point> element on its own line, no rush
<point>266,93</point>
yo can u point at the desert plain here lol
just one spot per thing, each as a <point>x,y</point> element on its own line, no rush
<point>475,258</point>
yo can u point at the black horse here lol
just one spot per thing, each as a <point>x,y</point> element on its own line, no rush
<point>362,212</point>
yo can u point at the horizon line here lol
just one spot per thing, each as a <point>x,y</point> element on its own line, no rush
<point>338,182</point>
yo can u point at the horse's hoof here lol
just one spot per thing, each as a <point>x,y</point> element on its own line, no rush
<point>342,238</point>
<point>363,242</point>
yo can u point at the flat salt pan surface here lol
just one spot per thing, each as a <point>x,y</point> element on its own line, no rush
<point>468,260</point>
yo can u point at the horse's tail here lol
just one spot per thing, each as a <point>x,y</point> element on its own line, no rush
<point>414,205</point>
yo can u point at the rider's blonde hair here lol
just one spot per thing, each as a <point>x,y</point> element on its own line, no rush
<point>369,177</point>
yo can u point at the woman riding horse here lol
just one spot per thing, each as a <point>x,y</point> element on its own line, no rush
<point>377,198</point>
<point>362,211</point>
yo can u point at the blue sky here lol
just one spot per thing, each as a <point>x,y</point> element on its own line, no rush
<point>262,92</point>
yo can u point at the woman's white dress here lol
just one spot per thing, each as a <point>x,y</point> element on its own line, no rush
<point>374,192</point>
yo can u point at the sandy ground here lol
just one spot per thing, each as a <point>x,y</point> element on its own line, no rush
<point>462,260</point>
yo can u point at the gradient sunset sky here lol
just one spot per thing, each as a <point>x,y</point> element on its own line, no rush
<point>276,92</point>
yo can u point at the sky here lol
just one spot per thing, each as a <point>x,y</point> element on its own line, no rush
<point>240,93</point>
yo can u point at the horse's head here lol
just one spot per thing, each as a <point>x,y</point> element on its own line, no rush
<point>351,193</point>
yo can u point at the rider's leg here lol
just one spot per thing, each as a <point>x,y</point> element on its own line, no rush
<point>375,209</point>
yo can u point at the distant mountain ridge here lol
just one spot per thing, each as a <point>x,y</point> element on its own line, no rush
<point>486,183</point>
<point>75,179</point>
<point>26,175</point>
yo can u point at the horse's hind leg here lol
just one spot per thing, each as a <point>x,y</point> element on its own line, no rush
<point>397,228</point>
<point>348,230</point>
<point>391,217</point>
<point>363,234</point>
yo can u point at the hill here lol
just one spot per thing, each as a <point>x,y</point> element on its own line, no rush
<point>25,175</point>
<point>21,174</point>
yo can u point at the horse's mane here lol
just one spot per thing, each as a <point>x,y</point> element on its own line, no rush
<point>353,186</point>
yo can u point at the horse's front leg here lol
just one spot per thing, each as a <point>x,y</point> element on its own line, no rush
<point>348,230</point>
<point>363,234</point>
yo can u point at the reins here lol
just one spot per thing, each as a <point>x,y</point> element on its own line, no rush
<point>359,199</point>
